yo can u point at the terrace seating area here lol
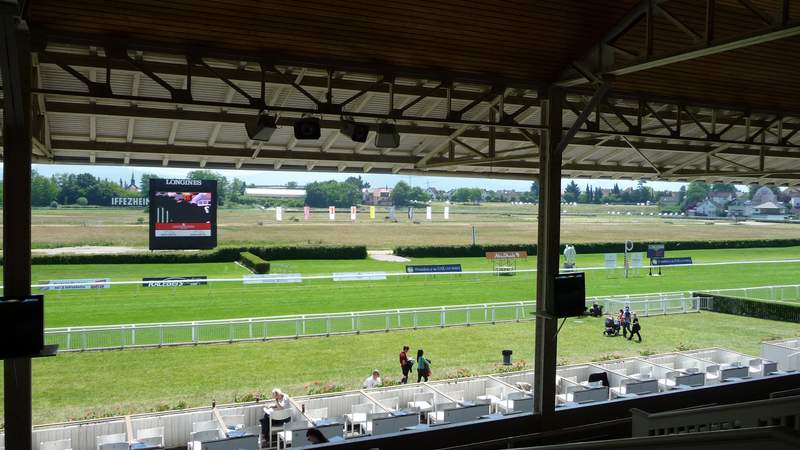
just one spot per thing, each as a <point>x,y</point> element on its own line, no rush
<point>413,407</point>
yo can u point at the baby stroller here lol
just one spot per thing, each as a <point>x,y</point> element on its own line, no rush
<point>612,327</point>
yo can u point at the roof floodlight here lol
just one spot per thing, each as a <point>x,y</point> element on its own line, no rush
<point>307,128</point>
<point>261,128</point>
<point>387,136</point>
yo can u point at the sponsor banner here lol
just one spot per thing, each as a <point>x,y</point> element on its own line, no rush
<point>174,281</point>
<point>331,213</point>
<point>506,255</point>
<point>85,283</point>
<point>637,260</point>
<point>182,229</point>
<point>610,260</point>
<point>429,213</point>
<point>353,213</point>
<point>130,201</point>
<point>273,278</point>
<point>672,261</point>
<point>434,268</point>
<point>372,212</point>
<point>655,251</point>
<point>306,212</point>
<point>278,214</point>
<point>358,276</point>
<point>446,213</point>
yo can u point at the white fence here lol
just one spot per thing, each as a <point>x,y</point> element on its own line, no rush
<point>307,325</point>
<point>787,292</point>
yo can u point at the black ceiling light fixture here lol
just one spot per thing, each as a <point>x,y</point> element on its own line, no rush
<point>307,128</point>
<point>357,132</point>
<point>387,136</point>
<point>262,127</point>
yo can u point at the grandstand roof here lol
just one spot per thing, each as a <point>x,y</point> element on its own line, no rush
<point>694,95</point>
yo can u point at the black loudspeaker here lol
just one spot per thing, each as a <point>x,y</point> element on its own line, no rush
<point>21,326</point>
<point>387,136</point>
<point>357,132</point>
<point>307,128</point>
<point>261,128</point>
<point>570,291</point>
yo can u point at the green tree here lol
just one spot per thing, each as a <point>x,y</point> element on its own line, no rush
<point>696,192</point>
<point>44,190</point>
<point>754,187</point>
<point>723,187</point>
<point>572,192</point>
<point>535,190</point>
<point>332,193</point>
<point>144,183</point>
<point>357,182</point>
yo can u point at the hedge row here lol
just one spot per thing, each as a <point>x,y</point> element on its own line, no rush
<point>222,254</point>
<point>460,251</point>
<point>753,308</point>
<point>253,262</point>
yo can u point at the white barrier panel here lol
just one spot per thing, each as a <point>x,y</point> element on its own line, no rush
<point>610,260</point>
<point>358,276</point>
<point>331,213</point>
<point>429,213</point>
<point>446,213</point>
<point>268,279</point>
<point>86,283</point>
<point>353,213</point>
<point>278,214</point>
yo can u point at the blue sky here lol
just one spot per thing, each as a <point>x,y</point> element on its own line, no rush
<point>280,178</point>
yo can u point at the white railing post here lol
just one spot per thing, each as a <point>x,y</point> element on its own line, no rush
<point>69,338</point>
<point>358,324</point>
<point>83,346</point>
<point>387,317</point>
<point>297,328</point>
<point>399,321</point>
<point>250,326</point>
<point>160,335</point>
<point>442,318</point>
<point>304,325</point>
<point>468,316</point>
<point>133,334</point>
<point>266,330</point>
<point>122,337</point>
<point>194,332</point>
<point>328,326</point>
<point>494,317</point>
<point>230,332</point>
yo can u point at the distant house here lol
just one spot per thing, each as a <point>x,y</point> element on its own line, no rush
<point>508,195</point>
<point>771,209</point>
<point>764,195</point>
<point>792,196</point>
<point>722,198</point>
<point>740,208</point>
<point>378,196</point>
<point>709,208</point>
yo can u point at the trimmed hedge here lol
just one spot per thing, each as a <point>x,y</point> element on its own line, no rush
<point>222,254</point>
<point>759,309</point>
<point>253,262</point>
<point>461,251</point>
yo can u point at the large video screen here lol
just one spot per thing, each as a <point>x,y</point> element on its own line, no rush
<point>183,214</point>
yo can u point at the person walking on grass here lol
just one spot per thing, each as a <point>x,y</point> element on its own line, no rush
<point>405,364</point>
<point>423,366</point>
<point>635,329</point>
<point>621,320</point>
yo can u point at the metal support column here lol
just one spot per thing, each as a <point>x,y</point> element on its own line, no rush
<point>15,62</point>
<point>548,257</point>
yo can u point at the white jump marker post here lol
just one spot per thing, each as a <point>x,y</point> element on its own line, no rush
<point>353,213</point>
<point>331,213</point>
<point>446,213</point>
<point>278,214</point>
<point>627,261</point>
<point>428,213</point>
<point>306,212</point>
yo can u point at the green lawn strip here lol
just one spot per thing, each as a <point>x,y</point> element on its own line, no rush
<point>137,304</point>
<point>78,385</point>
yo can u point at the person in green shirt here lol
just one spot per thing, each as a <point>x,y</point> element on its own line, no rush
<point>423,366</point>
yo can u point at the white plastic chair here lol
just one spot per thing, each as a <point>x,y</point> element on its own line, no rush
<point>151,436</point>
<point>204,435</point>
<point>317,414</point>
<point>205,425</point>
<point>278,414</point>
<point>112,441</point>
<point>63,444</point>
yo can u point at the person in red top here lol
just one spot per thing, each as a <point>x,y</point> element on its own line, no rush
<point>405,364</point>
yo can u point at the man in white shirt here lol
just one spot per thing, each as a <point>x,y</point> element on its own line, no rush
<point>373,380</point>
